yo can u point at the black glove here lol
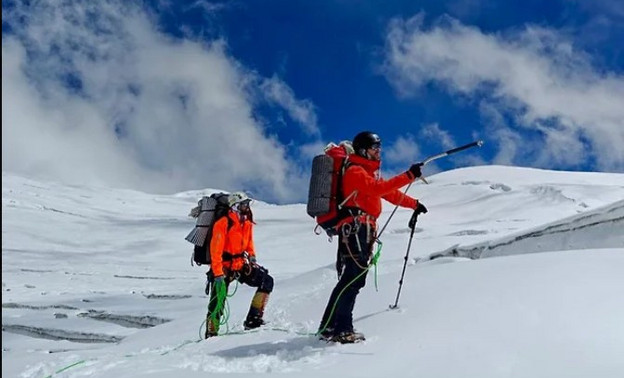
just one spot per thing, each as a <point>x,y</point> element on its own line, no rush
<point>420,209</point>
<point>415,170</point>
<point>209,278</point>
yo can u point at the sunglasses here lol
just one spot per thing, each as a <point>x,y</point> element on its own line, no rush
<point>244,204</point>
<point>376,146</point>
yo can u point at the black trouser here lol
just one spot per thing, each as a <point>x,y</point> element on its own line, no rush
<point>354,252</point>
<point>253,275</point>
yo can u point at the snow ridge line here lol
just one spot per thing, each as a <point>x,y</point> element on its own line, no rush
<point>609,214</point>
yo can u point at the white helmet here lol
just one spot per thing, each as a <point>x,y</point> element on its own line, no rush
<point>237,197</point>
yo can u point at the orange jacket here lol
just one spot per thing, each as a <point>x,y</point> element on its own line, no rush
<point>230,243</point>
<point>362,177</point>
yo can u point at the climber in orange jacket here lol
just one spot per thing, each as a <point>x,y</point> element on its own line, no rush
<point>232,240</point>
<point>233,257</point>
<point>363,189</point>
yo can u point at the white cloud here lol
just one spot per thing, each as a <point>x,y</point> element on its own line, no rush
<point>310,150</point>
<point>145,111</point>
<point>433,132</point>
<point>301,111</point>
<point>403,150</point>
<point>534,76</point>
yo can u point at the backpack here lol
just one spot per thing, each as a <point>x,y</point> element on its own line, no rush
<point>325,195</point>
<point>208,211</point>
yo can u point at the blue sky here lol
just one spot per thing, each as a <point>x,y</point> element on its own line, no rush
<point>168,96</point>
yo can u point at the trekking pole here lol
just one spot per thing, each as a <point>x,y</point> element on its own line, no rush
<point>412,225</point>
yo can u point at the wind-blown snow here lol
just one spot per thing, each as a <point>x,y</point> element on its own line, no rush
<point>101,278</point>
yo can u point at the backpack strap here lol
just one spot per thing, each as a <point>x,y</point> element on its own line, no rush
<point>340,197</point>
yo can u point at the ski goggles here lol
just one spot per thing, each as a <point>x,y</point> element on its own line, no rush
<point>376,146</point>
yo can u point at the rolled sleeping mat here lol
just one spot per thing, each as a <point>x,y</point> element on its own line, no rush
<point>206,216</point>
<point>319,195</point>
<point>207,203</point>
<point>205,220</point>
<point>198,235</point>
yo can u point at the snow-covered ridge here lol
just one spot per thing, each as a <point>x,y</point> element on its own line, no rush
<point>97,282</point>
<point>599,228</point>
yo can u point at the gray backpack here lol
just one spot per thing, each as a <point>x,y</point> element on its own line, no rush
<point>208,211</point>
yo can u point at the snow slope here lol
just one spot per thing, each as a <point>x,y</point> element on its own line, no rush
<point>97,282</point>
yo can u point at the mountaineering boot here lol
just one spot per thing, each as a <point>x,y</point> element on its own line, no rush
<point>327,334</point>
<point>212,329</point>
<point>256,311</point>
<point>251,323</point>
<point>348,337</point>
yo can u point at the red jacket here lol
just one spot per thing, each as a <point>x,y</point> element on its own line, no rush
<point>232,242</point>
<point>362,177</point>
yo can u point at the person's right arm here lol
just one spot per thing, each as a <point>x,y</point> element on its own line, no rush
<point>356,176</point>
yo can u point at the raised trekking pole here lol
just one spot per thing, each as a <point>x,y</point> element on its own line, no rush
<point>477,143</point>
<point>428,160</point>
<point>412,226</point>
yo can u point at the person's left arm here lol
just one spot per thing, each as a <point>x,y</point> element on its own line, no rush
<point>251,248</point>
